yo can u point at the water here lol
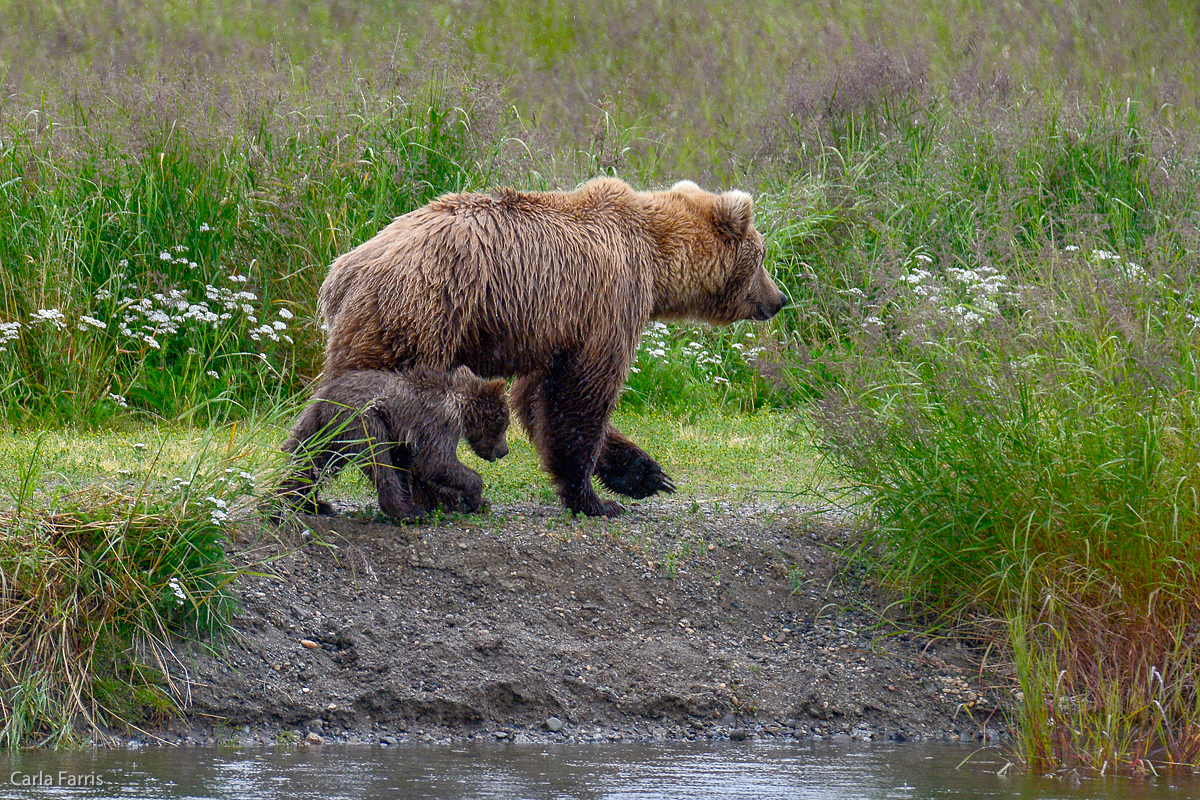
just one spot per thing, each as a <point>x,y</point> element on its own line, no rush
<point>556,772</point>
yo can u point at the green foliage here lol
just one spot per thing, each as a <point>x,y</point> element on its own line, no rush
<point>98,579</point>
<point>177,252</point>
<point>1026,443</point>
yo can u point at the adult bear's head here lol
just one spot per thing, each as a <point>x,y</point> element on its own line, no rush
<point>714,257</point>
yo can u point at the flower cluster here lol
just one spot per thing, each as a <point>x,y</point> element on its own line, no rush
<point>220,512</point>
<point>151,318</point>
<point>694,349</point>
<point>967,297</point>
<point>8,332</point>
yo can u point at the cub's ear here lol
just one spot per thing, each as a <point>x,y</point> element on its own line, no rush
<point>686,186</point>
<point>497,389</point>
<point>733,214</point>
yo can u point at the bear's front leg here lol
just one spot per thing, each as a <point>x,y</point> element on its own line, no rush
<point>565,413</point>
<point>626,469</point>
<point>454,487</point>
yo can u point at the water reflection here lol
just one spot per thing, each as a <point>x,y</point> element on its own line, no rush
<point>820,770</point>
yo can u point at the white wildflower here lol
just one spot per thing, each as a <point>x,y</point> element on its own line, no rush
<point>51,315</point>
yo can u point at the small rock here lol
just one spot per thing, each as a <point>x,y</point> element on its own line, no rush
<point>314,739</point>
<point>310,644</point>
<point>388,741</point>
<point>739,734</point>
<point>554,724</point>
<point>425,737</point>
<point>501,734</point>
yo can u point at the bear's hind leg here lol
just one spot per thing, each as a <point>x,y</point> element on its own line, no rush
<point>624,468</point>
<point>299,489</point>
<point>391,484</point>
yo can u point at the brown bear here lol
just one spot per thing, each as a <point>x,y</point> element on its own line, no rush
<point>554,289</point>
<point>405,428</point>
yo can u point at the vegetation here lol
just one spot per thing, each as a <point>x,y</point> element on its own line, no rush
<point>987,220</point>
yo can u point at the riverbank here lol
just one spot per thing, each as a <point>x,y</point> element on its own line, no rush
<point>681,620</point>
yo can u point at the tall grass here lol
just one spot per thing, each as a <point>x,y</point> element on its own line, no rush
<point>99,580</point>
<point>1001,311</point>
<point>172,237</point>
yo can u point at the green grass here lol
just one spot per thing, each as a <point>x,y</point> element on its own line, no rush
<point>713,454</point>
<point>101,571</point>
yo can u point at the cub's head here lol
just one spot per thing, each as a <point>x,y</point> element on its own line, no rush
<point>716,271</point>
<point>485,419</point>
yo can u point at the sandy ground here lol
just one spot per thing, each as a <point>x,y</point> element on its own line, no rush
<point>679,620</point>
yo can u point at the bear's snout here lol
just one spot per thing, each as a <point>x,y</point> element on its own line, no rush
<point>500,452</point>
<point>768,309</point>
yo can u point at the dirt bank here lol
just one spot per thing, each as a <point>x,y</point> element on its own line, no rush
<point>678,620</point>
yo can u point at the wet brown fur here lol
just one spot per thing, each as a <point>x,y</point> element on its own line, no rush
<point>404,427</point>
<point>554,288</point>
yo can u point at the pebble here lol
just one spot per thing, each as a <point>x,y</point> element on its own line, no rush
<point>313,739</point>
<point>309,643</point>
<point>555,724</point>
<point>387,741</point>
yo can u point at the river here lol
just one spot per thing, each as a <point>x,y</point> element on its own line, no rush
<point>689,771</point>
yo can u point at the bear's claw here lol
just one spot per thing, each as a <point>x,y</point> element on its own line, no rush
<point>641,477</point>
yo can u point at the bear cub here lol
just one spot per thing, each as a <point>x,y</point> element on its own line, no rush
<point>404,428</point>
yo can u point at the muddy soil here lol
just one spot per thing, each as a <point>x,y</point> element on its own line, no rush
<point>680,620</point>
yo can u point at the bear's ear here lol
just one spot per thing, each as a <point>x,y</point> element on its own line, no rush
<point>686,186</point>
<point>733,214</point>
<point>497,389</point>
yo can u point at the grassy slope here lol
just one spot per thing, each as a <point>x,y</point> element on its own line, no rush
<point>713,454</point>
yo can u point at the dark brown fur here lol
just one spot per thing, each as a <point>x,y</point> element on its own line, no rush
<point>554,288</point>
<point>404,427</point>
